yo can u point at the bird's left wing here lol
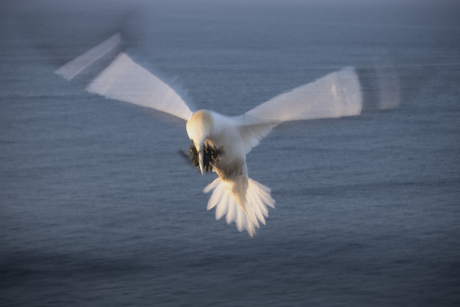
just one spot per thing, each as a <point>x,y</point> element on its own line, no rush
<point>125,80</point>
<point>253,129</point>
<point>335,95</point>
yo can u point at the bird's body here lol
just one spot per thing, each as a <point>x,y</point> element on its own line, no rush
<point>222,132</point>
<point>244,199</point>
<point>235,195</point>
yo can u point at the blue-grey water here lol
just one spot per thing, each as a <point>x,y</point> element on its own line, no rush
<point>98,209</point>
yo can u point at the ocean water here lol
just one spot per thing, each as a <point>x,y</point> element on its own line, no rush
<point>98,209</point>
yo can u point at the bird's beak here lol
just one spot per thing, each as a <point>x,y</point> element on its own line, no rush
<point>200,157</point>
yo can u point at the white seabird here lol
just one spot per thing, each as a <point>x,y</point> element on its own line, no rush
<point>235,195</point>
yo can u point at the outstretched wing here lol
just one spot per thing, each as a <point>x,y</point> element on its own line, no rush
<point>125,80</point>
<point>253,129</point>
<point>335,95</point>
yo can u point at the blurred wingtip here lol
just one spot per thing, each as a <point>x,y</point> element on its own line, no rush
<point>72,68</point>
<point>380,85</point>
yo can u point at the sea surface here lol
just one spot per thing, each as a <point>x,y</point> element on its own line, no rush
<point>97,208</point>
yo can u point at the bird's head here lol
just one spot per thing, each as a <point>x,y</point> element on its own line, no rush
<point>198,129</point>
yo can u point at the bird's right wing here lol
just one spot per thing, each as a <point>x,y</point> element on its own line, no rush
<point>335,95</point>
<point>125,80</point>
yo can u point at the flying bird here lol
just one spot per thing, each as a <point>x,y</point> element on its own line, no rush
<point>220,143</point>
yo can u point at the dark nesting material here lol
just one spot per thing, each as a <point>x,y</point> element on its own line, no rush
<point>210,156</point>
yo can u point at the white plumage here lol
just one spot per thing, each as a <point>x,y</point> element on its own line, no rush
<point>241,199</point>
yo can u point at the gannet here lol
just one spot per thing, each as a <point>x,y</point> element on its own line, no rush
<point>220,143</point>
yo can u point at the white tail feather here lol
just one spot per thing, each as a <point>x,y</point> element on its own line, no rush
<point>257,199</point>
